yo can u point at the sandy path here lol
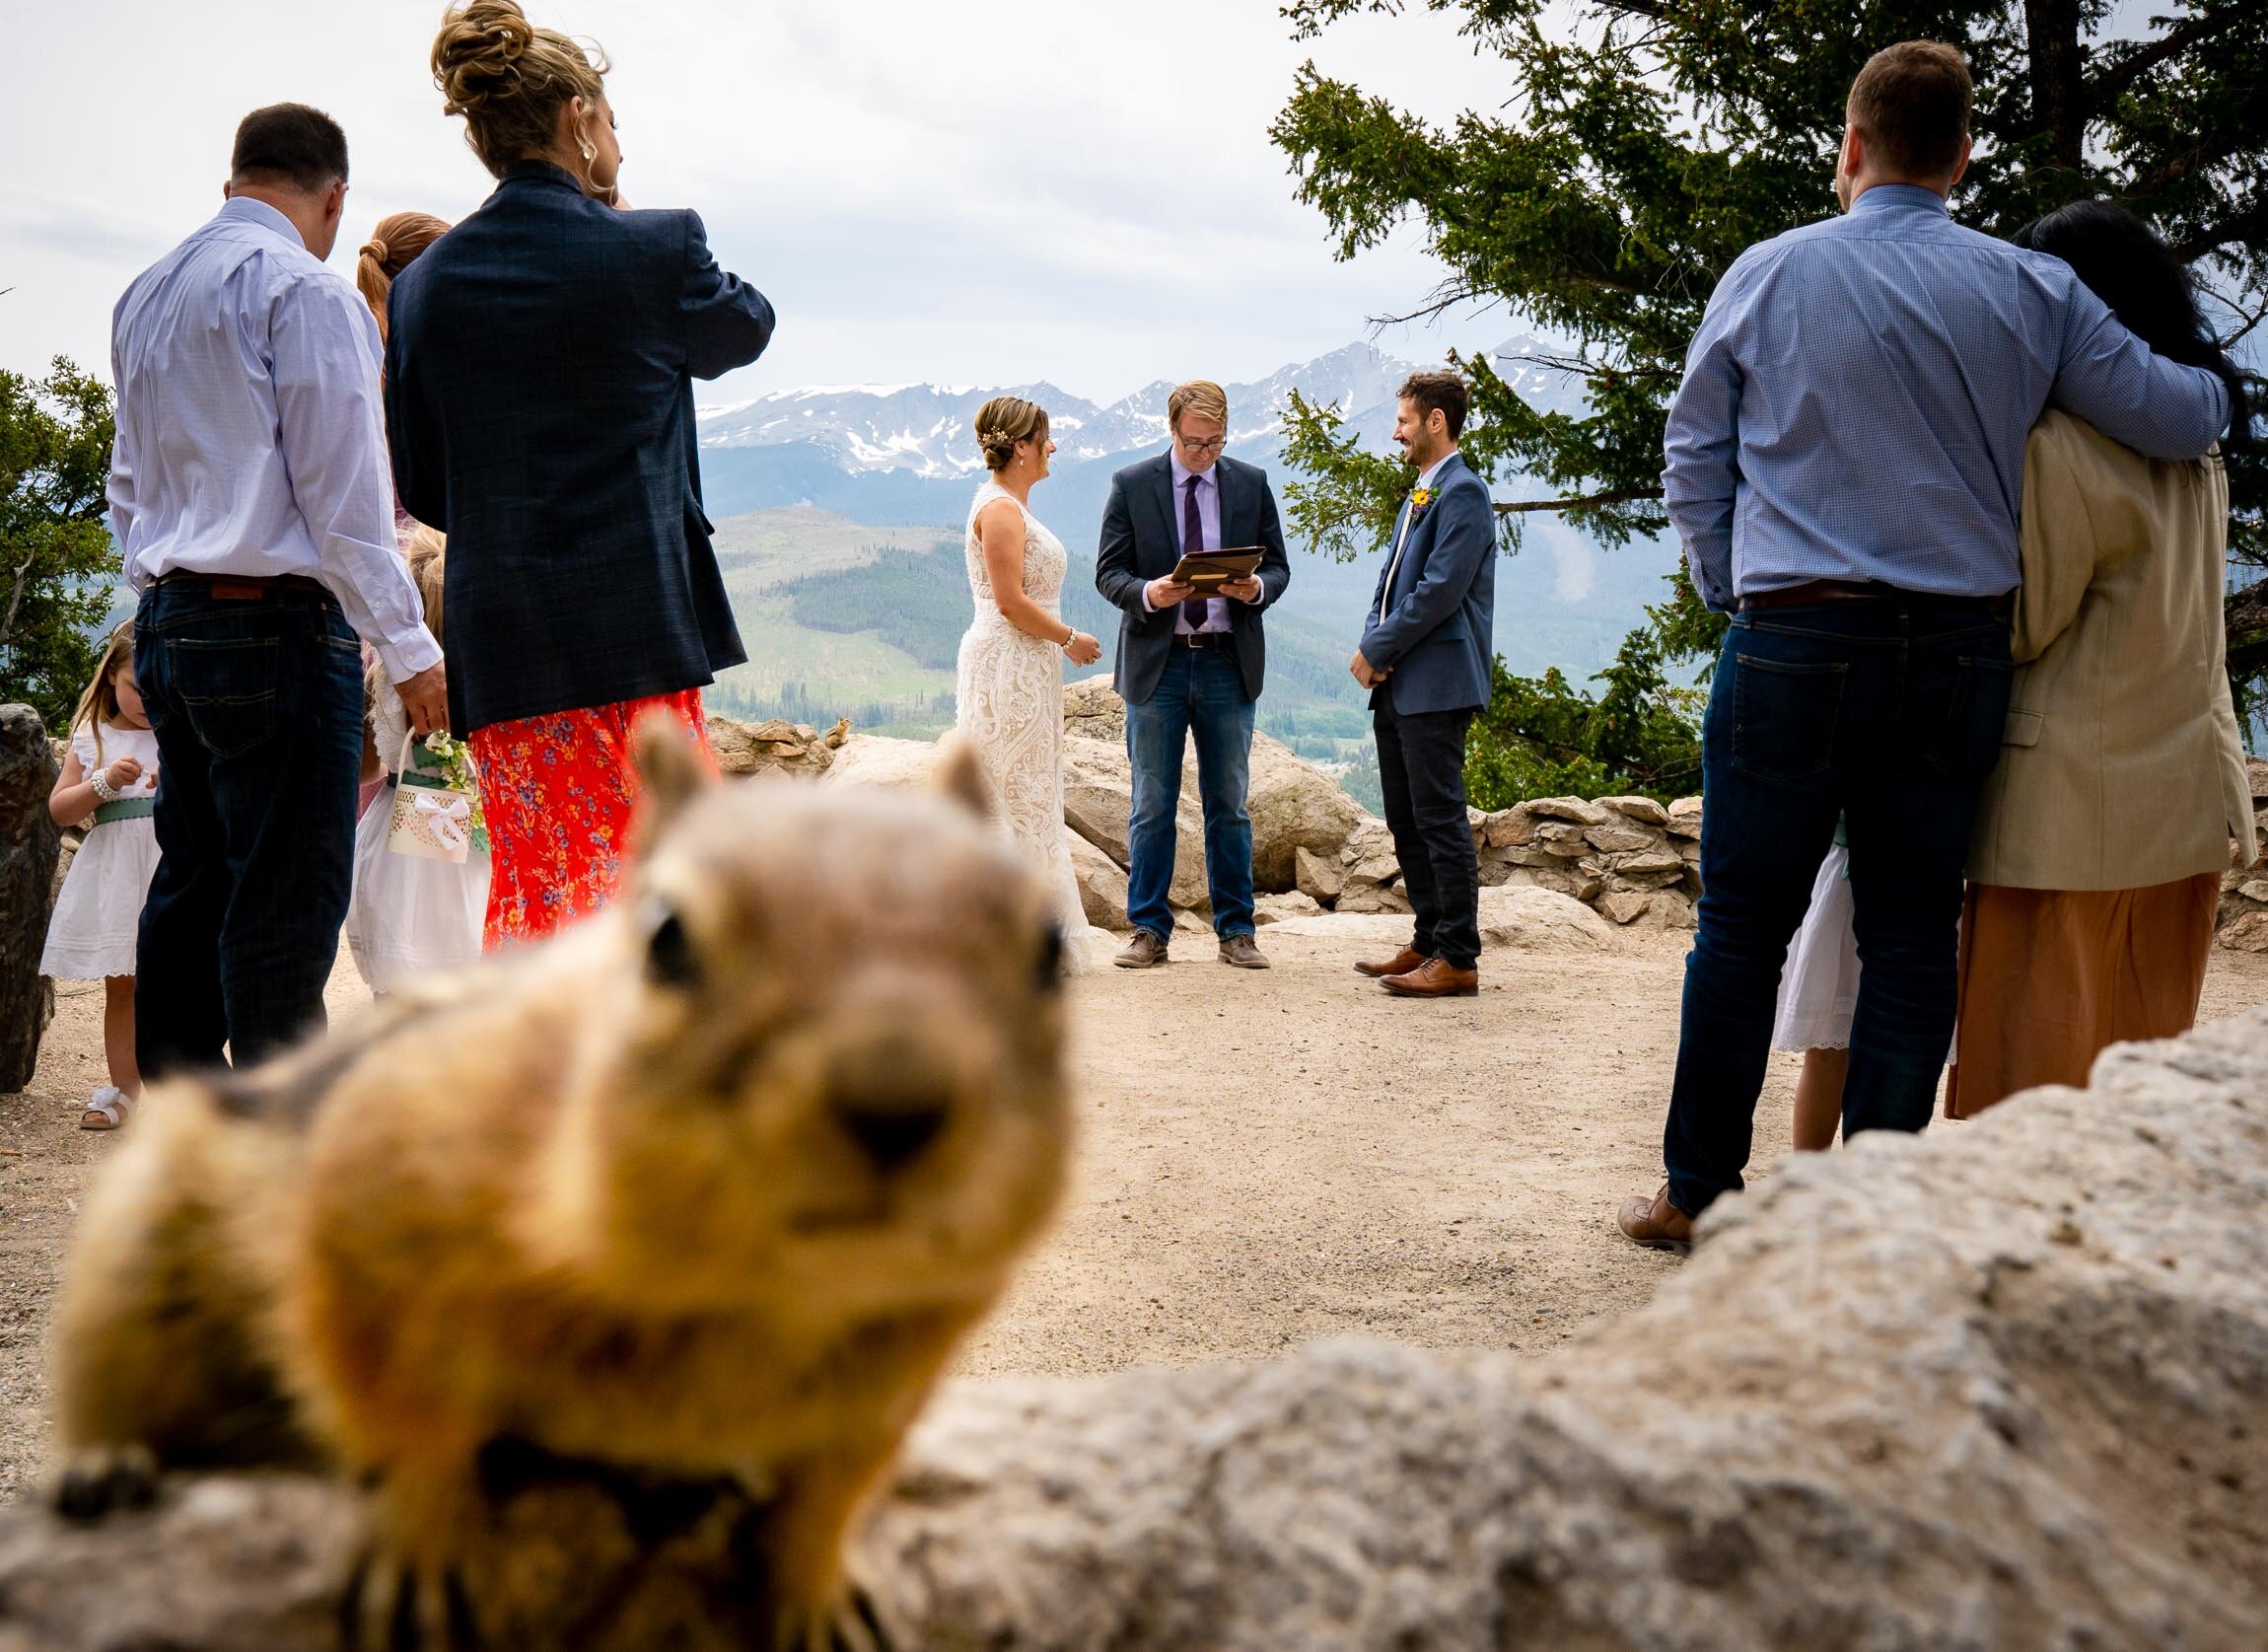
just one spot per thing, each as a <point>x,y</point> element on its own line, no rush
<point>1304,1157</point>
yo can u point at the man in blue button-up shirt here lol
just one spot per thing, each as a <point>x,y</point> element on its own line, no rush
<point>1844,461</point>
<point>249,496</point>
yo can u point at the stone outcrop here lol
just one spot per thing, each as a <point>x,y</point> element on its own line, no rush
<point>775,747</point>
<point>873,759</point>
<point>1998,1386</point>
<point>30,848</point>
<point>1101,885</point>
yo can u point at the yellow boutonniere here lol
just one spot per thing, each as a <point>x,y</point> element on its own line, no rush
<point>1420,498</point>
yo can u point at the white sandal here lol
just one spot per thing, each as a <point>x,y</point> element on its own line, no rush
<point>110,1109</point>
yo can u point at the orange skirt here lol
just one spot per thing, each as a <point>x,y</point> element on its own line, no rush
<point>559,792</point>
<point>2049,978</point>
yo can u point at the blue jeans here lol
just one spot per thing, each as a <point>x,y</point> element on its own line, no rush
<point>1201,695</point>
<point>256,703</point>
<point>1887,713</point>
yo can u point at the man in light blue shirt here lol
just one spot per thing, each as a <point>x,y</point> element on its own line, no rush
<point>1844,460</point>
<point>250,499</point>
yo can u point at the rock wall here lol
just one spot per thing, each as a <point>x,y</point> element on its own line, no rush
<point>30,852</point>
<point>1997,1385</point>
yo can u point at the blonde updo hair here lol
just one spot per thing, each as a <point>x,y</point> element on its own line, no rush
<point>508,78</point>
<point>393,247</point>
<point>1003,422</point>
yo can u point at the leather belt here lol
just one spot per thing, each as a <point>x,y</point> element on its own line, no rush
<point>1817,591</point>
<point>1204,639</point>
<point>247,588</point>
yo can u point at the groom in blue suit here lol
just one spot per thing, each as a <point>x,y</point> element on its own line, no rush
<point>1427,647</point>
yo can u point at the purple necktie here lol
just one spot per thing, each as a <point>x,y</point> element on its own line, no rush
<point>1197,610</point>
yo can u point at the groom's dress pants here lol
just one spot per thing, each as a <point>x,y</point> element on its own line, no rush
<point>1887,713</point>
<point>1200,696</point>
<point>1421,771</point>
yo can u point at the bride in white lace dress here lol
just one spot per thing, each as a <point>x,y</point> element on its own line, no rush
<point>1008,687</point>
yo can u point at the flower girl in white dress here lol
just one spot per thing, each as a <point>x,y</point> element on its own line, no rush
<point>409,917</point>
<point>111,774</point>
<point>1008,687</point>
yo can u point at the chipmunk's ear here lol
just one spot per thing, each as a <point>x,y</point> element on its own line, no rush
<point>670,766</point>
<point>959,775</point>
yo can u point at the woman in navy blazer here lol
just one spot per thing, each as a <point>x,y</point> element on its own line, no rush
<point>540,402</point>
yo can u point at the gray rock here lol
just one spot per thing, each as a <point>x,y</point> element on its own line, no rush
<point>1576,809</point>
<point>30,846</point>
<point>1642,808</point>
<point>1098,805</point>
<point>1996,1386</point>
<point>1540,920</point>
<point>1684,818</point>
<point>1101,885</point>
<point>1319,877</point>
<point>1277,908</point>
<point>1620,838</point>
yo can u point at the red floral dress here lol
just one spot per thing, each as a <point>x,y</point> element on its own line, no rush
<point>559,792</point>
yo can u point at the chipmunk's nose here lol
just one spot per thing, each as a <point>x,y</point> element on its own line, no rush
<point>892,1130</point>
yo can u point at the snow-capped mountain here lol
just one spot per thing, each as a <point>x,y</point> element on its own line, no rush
<point>924,430</point>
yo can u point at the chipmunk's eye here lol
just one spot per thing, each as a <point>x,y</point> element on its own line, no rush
<point>670,958</point>
<point>1050,977</point>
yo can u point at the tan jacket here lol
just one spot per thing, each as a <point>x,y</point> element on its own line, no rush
<point>2122,765</point>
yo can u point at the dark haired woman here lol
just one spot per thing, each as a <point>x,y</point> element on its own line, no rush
<point>539,376</point>
<point>2099,851</point>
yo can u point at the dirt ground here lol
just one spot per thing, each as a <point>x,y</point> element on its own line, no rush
<point>1264,1159</point>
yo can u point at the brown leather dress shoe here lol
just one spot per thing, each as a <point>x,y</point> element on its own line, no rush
<point>1436,978</point>
<point>1244,952</point>
<point>1401,963</point>
<point>1655,1222</point>
<point>1143,952</point>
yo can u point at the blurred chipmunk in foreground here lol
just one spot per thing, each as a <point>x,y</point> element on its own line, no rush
<point>707,1190</point>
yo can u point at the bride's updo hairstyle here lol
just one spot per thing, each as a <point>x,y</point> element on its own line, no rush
<point>1003,422</point>
<point>508,78</point>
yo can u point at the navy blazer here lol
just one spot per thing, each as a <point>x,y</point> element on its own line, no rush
<point>1142,540</point>
<point>1438,638</point>
<point>540,378</point>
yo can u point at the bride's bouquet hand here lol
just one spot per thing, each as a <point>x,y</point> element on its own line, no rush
<point>1082,649</point>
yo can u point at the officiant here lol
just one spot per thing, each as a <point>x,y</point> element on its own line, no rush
<point>1190,664</point>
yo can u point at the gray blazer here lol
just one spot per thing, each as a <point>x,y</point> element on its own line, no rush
<point>1438,638</point>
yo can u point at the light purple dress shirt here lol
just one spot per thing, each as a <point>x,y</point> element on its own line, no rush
<point>1208,519</point>
<point>251,439</point>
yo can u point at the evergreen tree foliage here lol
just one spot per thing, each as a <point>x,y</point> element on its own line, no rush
<point>57,563</point>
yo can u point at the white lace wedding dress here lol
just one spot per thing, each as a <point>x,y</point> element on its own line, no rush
<point>1009,694</point>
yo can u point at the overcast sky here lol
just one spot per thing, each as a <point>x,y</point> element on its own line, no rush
<point>1080,191</point>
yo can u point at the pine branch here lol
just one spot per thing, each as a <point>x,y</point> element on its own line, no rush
<point>1621,496</point>
<point>2115,81</point>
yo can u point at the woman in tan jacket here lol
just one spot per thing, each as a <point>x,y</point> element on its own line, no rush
<point>2121,789</point>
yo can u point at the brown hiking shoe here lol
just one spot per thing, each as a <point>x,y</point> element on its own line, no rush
<point>1436,978</point>
<point>1401,963</point>
<point>1656,1223</point>
<point>1143,952</point>
<point>1244,952</point>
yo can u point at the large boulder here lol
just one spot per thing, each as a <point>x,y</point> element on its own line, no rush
<point>29,849</point>
<point>1099,804</point>
<point>1295,806</point>
<point>1996,1386</point>
<point>1101,885</point>
<point>873,759</point>
<point>1541,920</point>
<point>775,747</point>
<point>1092,710</point>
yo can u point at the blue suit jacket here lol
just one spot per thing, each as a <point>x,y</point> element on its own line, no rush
<point>540,378</point>
<point>1439,634</point>
<point>1142,540</point>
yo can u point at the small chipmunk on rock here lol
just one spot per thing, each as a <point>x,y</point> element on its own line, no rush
<point>705,1190</point>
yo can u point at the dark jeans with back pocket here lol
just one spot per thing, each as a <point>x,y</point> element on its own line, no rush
<point>1886,713</point>
<point>257,702</point>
